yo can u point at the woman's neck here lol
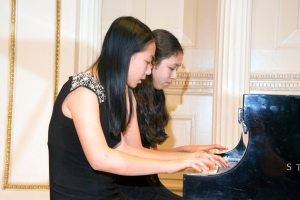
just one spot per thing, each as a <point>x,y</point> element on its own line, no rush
<point>94,71</point>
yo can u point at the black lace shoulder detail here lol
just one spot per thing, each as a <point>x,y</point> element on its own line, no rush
<point>87,80</point>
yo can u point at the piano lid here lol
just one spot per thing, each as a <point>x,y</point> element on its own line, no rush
<point>269,167</point>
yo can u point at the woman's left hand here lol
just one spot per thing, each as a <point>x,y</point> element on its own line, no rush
<point>207,148</point>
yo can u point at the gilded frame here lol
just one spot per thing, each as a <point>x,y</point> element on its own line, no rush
<point>6,183</point>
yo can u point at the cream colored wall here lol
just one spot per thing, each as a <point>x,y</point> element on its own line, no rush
<point>231,48</point>
<point>275,61</point>
<point>24,156</point>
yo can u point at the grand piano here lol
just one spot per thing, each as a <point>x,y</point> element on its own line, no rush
<point>267,166</point>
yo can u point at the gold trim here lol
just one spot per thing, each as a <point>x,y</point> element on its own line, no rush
<point>57,47</point>
<point>6,184</point>
<point>10,93</point>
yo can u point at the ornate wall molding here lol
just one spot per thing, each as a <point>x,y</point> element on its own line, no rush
<point>192,83</point>
<point>275,83</point>
<point>201,83</point>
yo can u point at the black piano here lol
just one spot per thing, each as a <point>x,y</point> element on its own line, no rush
<point>267,166</point>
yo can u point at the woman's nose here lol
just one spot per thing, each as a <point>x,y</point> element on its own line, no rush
<point>148,71</point>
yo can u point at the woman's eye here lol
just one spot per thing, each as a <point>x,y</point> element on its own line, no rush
<point>150,63</point>
<point>174,68</point>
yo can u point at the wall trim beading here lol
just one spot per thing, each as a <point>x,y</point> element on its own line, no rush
<point>201,83</point>
<point>279,83</point>
<point>263,76</point>
<point>192,83</point>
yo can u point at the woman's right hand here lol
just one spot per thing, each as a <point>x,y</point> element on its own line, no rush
<point>200,161</point>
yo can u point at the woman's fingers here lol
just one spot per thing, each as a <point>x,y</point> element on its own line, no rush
<point>222,162</point>
<point>215,159</point>
<point>198,165</point>
<point>219,147</point>
<point>205,162</point>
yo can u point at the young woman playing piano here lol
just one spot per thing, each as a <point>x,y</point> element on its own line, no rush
<point>91,115</point>
<point>153,116</point>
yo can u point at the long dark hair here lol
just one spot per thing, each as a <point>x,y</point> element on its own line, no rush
<point>152,112</point>
<point>126,36</point>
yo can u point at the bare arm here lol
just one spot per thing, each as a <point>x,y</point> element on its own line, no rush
<point>82,106</point>
<point>132,144</point>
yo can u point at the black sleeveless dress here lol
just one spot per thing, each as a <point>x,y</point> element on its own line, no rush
<point>71,176</point>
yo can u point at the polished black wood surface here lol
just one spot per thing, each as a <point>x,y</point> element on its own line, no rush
<point>268,166</point>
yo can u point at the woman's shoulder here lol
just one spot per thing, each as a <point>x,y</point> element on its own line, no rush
<point>86,79</point>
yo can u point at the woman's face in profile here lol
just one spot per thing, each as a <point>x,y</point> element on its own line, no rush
<point>140,65</point>
<point>165,72</point>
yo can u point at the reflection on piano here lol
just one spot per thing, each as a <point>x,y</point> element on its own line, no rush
<point>268,167</point>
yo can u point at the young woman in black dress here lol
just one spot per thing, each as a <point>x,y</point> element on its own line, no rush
<point>92,113</point>
<point>153,117</point>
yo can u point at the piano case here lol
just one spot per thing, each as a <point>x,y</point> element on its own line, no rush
<point>268,166</point>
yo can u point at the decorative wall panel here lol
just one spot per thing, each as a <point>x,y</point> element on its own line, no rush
<point>27,105</point>
<point>288,32</point>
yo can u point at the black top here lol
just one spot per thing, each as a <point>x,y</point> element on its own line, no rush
<point>71,176</point>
